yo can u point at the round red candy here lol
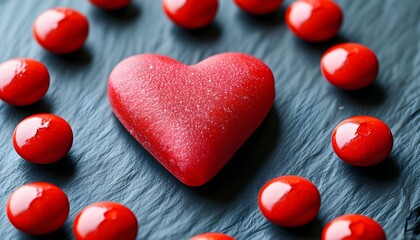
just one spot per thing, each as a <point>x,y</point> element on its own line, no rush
<point>353,227</point>
<point>289,201</point>
<point>258,7</point>
<point>314,20</point>
<point>212,236</point>
<point>23,81</point>
<point>43,138</point>
<point>350,66</point>
<point>105,221</point>
<point>191,14</point>
<point>38,208</point>
<point>111,4</point>
<point>61,30</point>
<point>362,141</point>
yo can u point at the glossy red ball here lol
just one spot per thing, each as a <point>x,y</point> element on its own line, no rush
<point>61,30</point>
<point>43,138</point>
<point>38,208</point>
<point>353,227</point>
<point>191,14</point>
<point>314,20</point>
<point>23,81</point>
<point>362,141</point>
<point>350,66</point>
<point>289,201</point>
<point>212,236</point>
<point>111,4</point>
<point>258,7</point>
<point>105,221</point>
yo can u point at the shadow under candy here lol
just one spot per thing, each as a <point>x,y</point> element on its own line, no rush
<point>369,96</point>
<point>61,171</point>
<point>60,234</point>
<point>207,34</point>
<point>17,114</point>
<point>246,162</point>
<point>268,21</point>
<point>124,15</point>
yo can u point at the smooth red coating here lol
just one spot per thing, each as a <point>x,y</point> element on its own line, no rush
<point>353,227</point>
<point>191,14</point>
<point>105,221</point>
<point>38,208</point>
<point>212,236</point>
<point>362,141</point>
<point>43,138</point>
<point>61,30</point>
<point>111,4</point>
<point>350,66</point>
<point>289,201</point>
<point>314,20</point>
<point>258,7</point>
<point>23,81</point>
<point>192,119</point>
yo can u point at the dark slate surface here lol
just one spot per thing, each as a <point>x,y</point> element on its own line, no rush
<point>106,163</point>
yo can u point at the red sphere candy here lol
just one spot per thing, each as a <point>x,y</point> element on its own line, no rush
<point>111,4</point>
<point>43,138</point>
<point>350,66</point>
<point>23,81</point>
<point>191,14</point>
<point>212,236</point>
<point>61,30</point>
<point>353,227</point>
<point>105,221</point>
<point>258,7</point>
<point>289,201</point>
<point>38,208</point>
<point>314,20</point>
<point>362,141</point>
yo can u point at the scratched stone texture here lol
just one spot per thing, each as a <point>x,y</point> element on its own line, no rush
<point>106,163</point>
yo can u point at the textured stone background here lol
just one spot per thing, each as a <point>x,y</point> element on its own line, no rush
<point>106,163</point>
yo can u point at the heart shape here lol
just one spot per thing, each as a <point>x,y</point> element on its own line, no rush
<point>192,119</point>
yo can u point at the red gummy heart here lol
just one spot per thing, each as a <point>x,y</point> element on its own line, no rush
<point>192,119</point>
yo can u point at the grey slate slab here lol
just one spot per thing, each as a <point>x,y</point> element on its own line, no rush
<point>106,163</point>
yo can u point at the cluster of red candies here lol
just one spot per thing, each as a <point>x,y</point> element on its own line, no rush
<point>289,201</point>
<point>40,208</point>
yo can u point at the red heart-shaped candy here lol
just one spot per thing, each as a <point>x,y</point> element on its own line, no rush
<point>192,119</point>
